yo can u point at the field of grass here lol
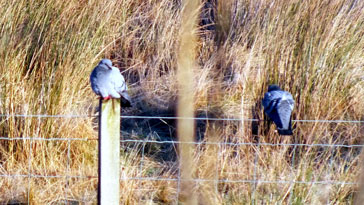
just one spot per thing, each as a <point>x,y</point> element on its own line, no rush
<point>314,49</point>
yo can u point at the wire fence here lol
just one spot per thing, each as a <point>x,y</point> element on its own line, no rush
<point>178,179</point>
<point>176,118</point>
<point>193,143</point>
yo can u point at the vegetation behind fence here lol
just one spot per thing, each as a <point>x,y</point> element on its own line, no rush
<point>311,48</point>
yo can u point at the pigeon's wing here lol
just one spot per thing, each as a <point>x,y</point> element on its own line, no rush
<point>98,79</point>
<point>290,100</point>
<point>118,80</point>
<point>271,104</point>
<point>93,80</point>
<point>284,110</point>
<point>120,87</point>
<point>275,116</point>
<point>267,100</point>
<point>270,101</point>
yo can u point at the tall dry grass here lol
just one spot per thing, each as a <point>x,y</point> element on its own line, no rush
<point>314,49</point>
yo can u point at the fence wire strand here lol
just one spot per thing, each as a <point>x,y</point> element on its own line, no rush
<point>255,181</point>
<point>246,143</point>
<point>176,118</point>
<point>242,181</point>
<point>194,143</point>
<point>192,180</point>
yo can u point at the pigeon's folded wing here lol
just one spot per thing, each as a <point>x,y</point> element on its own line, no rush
<point>270,101</point>
<point>118,80</point>
<point>284,110</point>
<point>289,99</point>
<point>99,82</point>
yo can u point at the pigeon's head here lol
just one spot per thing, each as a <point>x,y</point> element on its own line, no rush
<point>106,62</point>
<point>273,87</point>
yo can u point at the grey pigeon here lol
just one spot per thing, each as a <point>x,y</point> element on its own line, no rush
<point>107,82</point>
<point>278,105</point>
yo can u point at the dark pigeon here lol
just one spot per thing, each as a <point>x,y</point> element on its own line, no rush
<point>278,105</point>
<point>107,82</point>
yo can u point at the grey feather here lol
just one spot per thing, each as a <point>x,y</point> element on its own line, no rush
<point>107,81</point>
<point>278,105</point>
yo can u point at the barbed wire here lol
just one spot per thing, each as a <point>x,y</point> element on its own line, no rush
<point>175,118</point>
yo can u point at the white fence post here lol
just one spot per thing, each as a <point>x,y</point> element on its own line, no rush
<point>109,152</point>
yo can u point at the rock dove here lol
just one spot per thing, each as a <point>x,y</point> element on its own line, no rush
<point>108,82</point>
<point>278,105</point>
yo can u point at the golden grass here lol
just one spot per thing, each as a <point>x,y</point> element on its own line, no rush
<point>314,49</point>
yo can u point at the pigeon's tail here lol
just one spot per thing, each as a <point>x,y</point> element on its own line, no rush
<point>285,132</point>
<point>125,100</point>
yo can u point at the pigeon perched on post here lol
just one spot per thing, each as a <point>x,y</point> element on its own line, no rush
<point>278,105</point>
<point>107,82</point>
